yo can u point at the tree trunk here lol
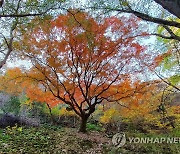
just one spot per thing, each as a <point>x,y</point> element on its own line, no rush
<point>51,115</point>
<point>173,6</point>
<point>83,124</point>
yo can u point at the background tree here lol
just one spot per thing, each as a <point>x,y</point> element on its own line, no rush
<point>82,62</point>
<point>145,10</point>
<point>170,59</point>
<point>1,3</point>
<point>14,14</point>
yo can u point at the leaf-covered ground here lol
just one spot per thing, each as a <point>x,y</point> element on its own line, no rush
<point>68,141</point>
<point>51,140</point>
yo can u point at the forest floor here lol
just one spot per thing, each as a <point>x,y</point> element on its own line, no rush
<point>52,140</point>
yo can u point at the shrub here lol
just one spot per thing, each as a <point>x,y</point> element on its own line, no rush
<point>12,106</point>
<point>93,127</point>
<point>11,120</point>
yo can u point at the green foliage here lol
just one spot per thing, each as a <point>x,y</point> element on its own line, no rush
<point>13,130</point>
<point>125,3</point>
<point>175,79</point>
<point>93,127</point>
<point>28,141</point>
<point>50,139</point>
<point>40,110</point>
<point>151,147</point>
<point>45,140</point>
<point>56,111</point>
<point>52,127</point>
<point>3,136</point>
<point>161,30</point>
<point>169,62</point>
<point>13,105</point>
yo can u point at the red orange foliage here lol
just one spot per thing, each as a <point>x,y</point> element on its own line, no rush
<point>83,62</point>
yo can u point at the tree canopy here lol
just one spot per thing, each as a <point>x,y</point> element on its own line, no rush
<point>83,62</point>
<point>82,59</point>
<point>14,14</point>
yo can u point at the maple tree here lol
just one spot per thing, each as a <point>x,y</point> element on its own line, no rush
<point>82,62</point>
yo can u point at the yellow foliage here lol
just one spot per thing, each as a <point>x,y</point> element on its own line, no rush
<point>64,112</point>
<point>110,115</point>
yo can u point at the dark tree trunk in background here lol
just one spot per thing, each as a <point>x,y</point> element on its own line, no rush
<point>173,6</point>
<point>1,2</point>
<point>51,115</point>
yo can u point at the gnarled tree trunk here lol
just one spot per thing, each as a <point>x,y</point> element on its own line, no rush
<point>84,119</point>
